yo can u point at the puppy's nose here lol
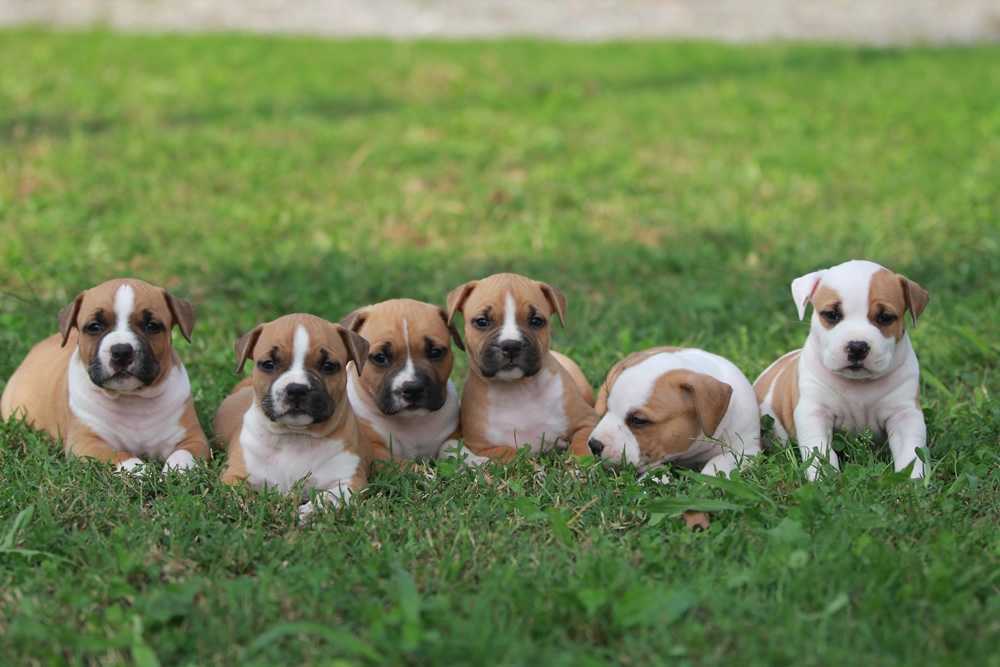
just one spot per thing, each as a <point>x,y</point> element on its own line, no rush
<point>296,392</point>
<point>413,390</point>
<point>122,354</point>
<point>857,350</point>
<point>596,446</point>
<point>511,347</point>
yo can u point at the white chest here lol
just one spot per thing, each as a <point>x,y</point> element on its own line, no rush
<point>279,460</point>
<point>527,413</point>
<point>146,422</point>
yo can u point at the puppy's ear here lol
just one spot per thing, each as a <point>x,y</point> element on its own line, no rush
<point>452,329</point>
<point>245,346</point>
<point>457,298</point>
<point>355,320</point>
<point>183,313</point>
<point>557,301</point>
<point>916,298</point>
<point>803,289</point>
<point>710,398</point>
<point>68,315</point>
<point>357,347</point>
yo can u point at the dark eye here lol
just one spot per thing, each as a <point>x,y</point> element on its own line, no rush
<point>832,316</point>
<point>885,319</point>
<point>379,359</point>
<point>94,328</point>
<point>536,322</point>
<point>481,323</point>
<point>436,353</point>
<point>329,367</point>
<point>153,327</point>
<point>635,421</point>
<point>267,365</point>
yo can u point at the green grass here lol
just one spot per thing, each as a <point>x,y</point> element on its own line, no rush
<point>671,190</point>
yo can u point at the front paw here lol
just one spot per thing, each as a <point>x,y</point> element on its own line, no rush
<point>325,500</point>
<point>180,461</point>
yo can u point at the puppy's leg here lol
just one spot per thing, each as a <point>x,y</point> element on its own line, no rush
<point>83,443</point>
<point>907,433</point>
<point>814,431</point>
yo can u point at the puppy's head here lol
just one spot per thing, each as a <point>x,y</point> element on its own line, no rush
<point>507,323</point>
<point>655,413</point>
<point>124,328</point>
<point>857,319</point>
<point>299,374</point>
<point>409,355</point>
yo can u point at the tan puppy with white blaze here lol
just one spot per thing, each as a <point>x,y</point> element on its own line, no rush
<point>518,392</point>
<point>291,418</point>
<point>405,399</point>
<point>676,405</point>
<point>110,382</point>
<point>857,370</point>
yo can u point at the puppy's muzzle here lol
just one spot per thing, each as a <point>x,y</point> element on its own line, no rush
<point>857,350</point>
<point>596,447</point>
<point>296,394</point>
<point>122,356</point>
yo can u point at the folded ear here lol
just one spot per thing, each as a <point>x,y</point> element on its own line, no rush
<point>357,347</point>
<point>457,298</point>
<point>803,289</point>
<point>245,346</point>
<point>557,301</point>
<point>353,321</point>
<point>68,315</point>
<point>452,329</point>
<point>710,398</point>
<point>916,298</point>
<point>183,313</point>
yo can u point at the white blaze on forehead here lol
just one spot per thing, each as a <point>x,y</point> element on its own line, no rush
<point>510,331</point>
<point>409,372</point>
<point>296,373</point>
<point>124,305</point>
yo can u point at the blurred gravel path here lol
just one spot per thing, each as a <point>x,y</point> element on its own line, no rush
<point>877,22</point>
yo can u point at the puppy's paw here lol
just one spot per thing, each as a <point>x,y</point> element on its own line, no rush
<point>325,501</point>
<point>180,461</point>
<point>132,466</point>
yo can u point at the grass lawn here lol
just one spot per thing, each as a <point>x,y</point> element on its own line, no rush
<point>672,190</point>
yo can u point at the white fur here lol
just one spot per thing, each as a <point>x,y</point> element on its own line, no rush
<point>296,374</point>
<point>410,436</point>
<point>521,413</point>
<point>145,422</point>
<point>510,330</point>
<point>739,430</point>
<point>409,372</point>
<point>882,397</point>
<point>124,304</point>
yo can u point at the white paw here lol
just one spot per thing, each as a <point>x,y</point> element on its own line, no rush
<point>180,461</point>
<point>326,500</point>
<point>130,465</point>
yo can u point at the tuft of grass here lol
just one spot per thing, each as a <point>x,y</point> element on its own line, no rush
<point>671,190</point>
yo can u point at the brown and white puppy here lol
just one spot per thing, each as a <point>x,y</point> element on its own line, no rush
<point>517,392</point>
<point>857,370</point>
<point>676,405</point>
<point>110,382</point>
<point>405,399</point>
<point>292,420</point>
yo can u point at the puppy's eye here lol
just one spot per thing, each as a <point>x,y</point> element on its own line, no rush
<point>436,353</point>
<point>379,359</point>
<point>832,316</point>
<point>481,323</point>
<point>329,367</point>
<point>536,322</point>
<point>267,365</point>
<point>94,328</point>
<point>635,421</point>
<point>153,327</point>
<point>885,319</point>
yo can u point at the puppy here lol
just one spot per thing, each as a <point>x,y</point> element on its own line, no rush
<point>857,370</point>
<point>517,392</point>
<point>110,383</point>
<point>404,398</point>
<point>292,419</point>
<point>671,404</point>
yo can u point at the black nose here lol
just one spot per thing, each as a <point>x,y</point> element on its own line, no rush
<point>857,350</point>
<point>296,392</point>
<point>596,446</point>
<point>412,390</point>
<point>511,347</point>
<point>122,354</point>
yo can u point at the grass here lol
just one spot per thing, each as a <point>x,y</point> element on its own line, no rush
<point>672,190</point>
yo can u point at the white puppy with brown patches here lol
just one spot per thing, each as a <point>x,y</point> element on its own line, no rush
<point>857,370</point>
<point>110,382</point>
<point>291,419</point>
<point>676,405</point>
